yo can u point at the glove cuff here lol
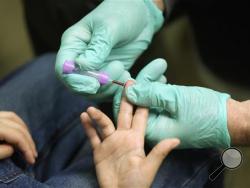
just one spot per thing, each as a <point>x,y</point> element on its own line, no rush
<point>224,140</point>
<point>156,13</point>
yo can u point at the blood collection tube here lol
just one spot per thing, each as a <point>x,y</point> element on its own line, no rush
<point>103,78</point>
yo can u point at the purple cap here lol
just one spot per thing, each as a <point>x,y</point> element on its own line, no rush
<point>68,66</point>
<point>103,78</point>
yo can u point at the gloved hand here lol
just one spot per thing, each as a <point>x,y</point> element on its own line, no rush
<point>115,30</point>
<point>154,71</point>
<point>195,115</point>
<point>86,84</point>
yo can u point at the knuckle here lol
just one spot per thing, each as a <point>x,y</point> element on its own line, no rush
<point>67,33</point>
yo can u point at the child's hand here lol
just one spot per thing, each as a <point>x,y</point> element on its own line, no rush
<point>15,134</point>
<point>119,154</point>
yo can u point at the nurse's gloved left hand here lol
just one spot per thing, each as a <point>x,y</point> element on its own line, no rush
<point>115,30</point>
<point>195,115</point>
<point>154,71</point>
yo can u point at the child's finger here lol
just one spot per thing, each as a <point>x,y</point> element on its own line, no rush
<point>102,121</point>
<point>6,151</point>
<point>126,112</point>
<point>12,116</point>
<point>21,128</point>
<point>140,120</point>
<point>18,139</point>
<point>90,130</point>
<point>15,118</point>
<point>158,154</point>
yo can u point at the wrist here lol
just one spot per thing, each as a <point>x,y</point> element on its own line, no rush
<point>238,115</point>
<point>160,4</point>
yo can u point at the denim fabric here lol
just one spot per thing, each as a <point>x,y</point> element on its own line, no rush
<point>65,157</point>
<point>52,114</point>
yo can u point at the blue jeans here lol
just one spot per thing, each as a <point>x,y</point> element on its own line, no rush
<point>65,157</point>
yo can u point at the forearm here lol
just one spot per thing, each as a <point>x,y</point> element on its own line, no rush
<point>238,114</point>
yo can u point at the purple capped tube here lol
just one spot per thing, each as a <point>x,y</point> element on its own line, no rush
<point>69,68</point>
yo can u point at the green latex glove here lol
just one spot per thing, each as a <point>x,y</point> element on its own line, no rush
<point>154,71</point>
<point>195,115</point>
<point>85,84</point>
<point>116,30</point>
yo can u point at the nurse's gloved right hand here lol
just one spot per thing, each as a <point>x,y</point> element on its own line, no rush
<point>116,30</point>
